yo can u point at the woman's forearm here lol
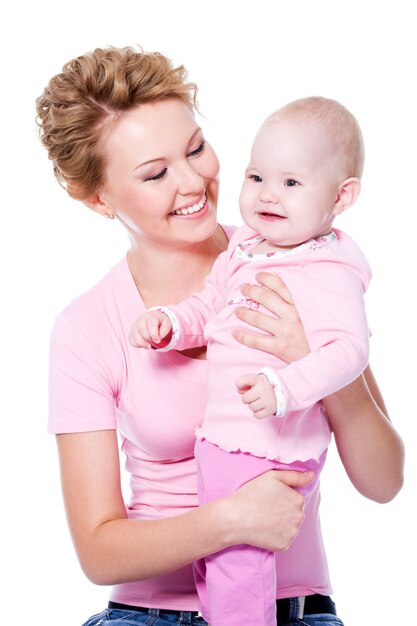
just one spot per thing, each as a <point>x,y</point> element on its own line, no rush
<point>371,450</point>
<point>266,512</point>
<point>111,548</point>
<point>123,550</point>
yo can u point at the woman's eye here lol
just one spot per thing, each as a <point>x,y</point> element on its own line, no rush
<point>290,182</point>
<point>158,176</point>
<point>198,150</point>
<point>255,178</point>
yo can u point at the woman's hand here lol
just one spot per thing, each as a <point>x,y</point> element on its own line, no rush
<point>286,338</point>
<point>267,511</point>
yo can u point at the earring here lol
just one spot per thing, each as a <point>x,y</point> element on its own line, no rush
<point>110,216</point>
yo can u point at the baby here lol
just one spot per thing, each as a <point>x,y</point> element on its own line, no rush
<point>305,169</point>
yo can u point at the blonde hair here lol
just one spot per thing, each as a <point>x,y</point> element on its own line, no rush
<point>338,122</point>
<point>90,93</point>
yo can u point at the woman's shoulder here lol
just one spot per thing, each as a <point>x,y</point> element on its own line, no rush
<point>106,309</point>
<point>229,230</point>
<point>102,296</point>
<point>87,358</point>
<point>239,234</point>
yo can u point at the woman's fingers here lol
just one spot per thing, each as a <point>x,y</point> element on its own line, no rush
<point>269,510</point>
<point>290,344</point>
<point>268,299</point>
<point>274,283</point>
<point>294,479</point>
<point>257,319</point>
<point>272,293</point>
<point>266,343</point>
<point>284,333</point>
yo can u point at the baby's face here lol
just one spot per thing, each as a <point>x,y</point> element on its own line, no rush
<point>291,184</point>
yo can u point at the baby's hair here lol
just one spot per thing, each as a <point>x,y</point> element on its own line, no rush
<point>340,124</point>
<point>90,94</point>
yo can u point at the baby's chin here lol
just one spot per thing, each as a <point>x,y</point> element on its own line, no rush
<point>282,242</point>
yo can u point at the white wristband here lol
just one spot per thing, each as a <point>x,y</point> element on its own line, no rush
<point>277,387</point>
<point>176,330</point>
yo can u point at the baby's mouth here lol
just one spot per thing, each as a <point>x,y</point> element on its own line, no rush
<point>271,216</point>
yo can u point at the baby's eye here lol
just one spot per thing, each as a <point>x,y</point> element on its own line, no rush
<point>255,178</point>
<point>290,182</point>
<point>198,150</point>
<point>158,176</point>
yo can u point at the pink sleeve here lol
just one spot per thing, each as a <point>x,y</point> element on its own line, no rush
<point>329,299</point>
<point>189,317</point>
<point>80,387</point>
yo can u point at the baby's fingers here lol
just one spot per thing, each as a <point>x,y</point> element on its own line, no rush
<point>246,382</point>
<point>166,327</point>
<point>262,413</point>
<point>153,324</point>
<point>137,340</point>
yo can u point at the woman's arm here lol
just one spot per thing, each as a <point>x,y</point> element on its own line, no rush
<point>371,450</point>
<point>266,512</point>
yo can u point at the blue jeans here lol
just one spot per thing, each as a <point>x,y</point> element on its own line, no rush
<point>324,619</point>
<point>116,617</point>
<point>155,617</point>
<point>311,619</point>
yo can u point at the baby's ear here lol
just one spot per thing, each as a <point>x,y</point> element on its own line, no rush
<point>347,195</point>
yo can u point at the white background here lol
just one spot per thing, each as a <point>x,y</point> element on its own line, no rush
<point>248,58</point>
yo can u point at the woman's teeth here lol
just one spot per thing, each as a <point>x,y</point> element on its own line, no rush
<point>192,209</point>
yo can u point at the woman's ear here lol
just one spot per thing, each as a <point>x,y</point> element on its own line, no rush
<point>98,204</point>
<point>347,195</point>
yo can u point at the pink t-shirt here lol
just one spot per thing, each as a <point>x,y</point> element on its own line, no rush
<point>99,382</point>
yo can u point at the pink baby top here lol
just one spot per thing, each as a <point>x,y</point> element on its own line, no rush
<point>327,278</point>
<point>99,382</point>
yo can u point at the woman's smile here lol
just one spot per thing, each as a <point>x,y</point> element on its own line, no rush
<point>194,208</point>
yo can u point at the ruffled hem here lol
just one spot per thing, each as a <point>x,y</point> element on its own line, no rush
<point>263,452</point>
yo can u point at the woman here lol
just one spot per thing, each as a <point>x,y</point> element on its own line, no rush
<point>119,127</point>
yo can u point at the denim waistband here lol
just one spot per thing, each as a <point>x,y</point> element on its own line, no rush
<point>287,608</point>
<point>142,609</point>
<point>297,608</point>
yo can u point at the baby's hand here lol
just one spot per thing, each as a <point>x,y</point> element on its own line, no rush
<point>258,393</point>
<point>150,329</point>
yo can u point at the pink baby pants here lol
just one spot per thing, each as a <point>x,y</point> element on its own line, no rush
<point>237,586</point>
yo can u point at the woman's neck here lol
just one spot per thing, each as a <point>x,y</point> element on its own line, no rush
<point>168,274</point>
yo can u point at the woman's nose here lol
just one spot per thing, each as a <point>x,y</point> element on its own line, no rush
<point>189,180</point>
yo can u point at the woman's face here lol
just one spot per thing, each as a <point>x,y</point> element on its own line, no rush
<point>161,178</point>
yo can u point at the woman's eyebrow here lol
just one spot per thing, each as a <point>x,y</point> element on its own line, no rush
<point>148,162</point>
<point>157,159</point>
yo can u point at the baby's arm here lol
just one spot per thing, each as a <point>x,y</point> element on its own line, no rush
<point>181,326</point>
<point>329,298</point>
